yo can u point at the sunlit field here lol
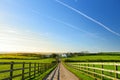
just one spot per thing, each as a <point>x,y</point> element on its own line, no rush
<point>105,57</point>
<point>27,58</point>
<point>101,64</point>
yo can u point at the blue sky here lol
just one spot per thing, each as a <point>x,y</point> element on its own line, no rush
<point>59,25</point>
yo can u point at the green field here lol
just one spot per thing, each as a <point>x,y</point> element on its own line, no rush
<point>22,58</point>
<point>94,58</point>
<point>106,58</point>
<point>48,60</point>
<point>91,58</point>
<point>79,71</point>
<point>25,58</point>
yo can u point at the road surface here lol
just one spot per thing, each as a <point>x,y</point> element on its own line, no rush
<point>61,73</point>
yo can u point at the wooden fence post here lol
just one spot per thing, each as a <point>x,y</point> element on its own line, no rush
<point>102,72</point>
<point>79,66</point>
<point>38,68</point>
<point>34,69</point>
<point>94,70</point>
<point>44,67</point>
<point>116,69</point>
<point>27,70</point>
<point>88,68</point>
<point>30,70</point>
<point>11,70</point>
<point>85,67</point>
<point>23,68</point>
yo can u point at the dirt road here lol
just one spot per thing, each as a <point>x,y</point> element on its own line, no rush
<point>61,73</point>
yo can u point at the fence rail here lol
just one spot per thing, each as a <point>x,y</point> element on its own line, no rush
<point>23,70</point>
<point>99,71</point>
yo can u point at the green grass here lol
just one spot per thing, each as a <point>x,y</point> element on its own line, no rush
<point>5,75</point>
<point>16,57</point>
<point>93,58</point>
<point>20,56</point>
<point>108,67</point>
<point>48,60</point>
<point>42,76</point>
<point>46,73</point>
<point>7,66</point>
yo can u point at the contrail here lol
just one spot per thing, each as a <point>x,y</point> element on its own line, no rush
<point>69,25</point>
<point>88,17</point>
<point>75,28</point>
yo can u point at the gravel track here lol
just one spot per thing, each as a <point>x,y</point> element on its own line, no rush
<point>61,73</point>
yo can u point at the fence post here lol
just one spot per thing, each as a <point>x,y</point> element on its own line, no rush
<point>34,69</point>
<point>30,70</point>
<point>23,70</point>
<point>42,67</point>
<point>79,66</point>
<point>45,66</point>
<point>11,70</point>
<point>102,72</point>
<point>88,68</point>
<point>85,67</point>
<point>38,68</point>
<point>94,70</point>
<point>116,69</point>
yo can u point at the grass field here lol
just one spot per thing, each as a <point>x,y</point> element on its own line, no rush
<point>79,68</point>
<point>24,58</point>
<point>21,58</point>
<point>91,59</point>
<point>94,58</point>
<point>48,60</point>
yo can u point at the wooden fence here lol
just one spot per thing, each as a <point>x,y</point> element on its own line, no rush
<point>22,70</point>
<point>98,71</point>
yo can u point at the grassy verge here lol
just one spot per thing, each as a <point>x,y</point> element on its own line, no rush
<point>79,74</point>
<point>90,69</point>
<point>42,76</point>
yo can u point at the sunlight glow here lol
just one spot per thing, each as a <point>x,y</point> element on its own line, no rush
<point>15,40</point>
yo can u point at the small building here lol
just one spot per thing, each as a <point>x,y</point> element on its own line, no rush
<point>64,55</point>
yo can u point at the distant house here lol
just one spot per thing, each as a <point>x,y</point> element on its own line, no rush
<point>64,55</point>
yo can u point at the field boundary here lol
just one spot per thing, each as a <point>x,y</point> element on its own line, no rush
<point>98,73</point>
<point>33,69</point>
